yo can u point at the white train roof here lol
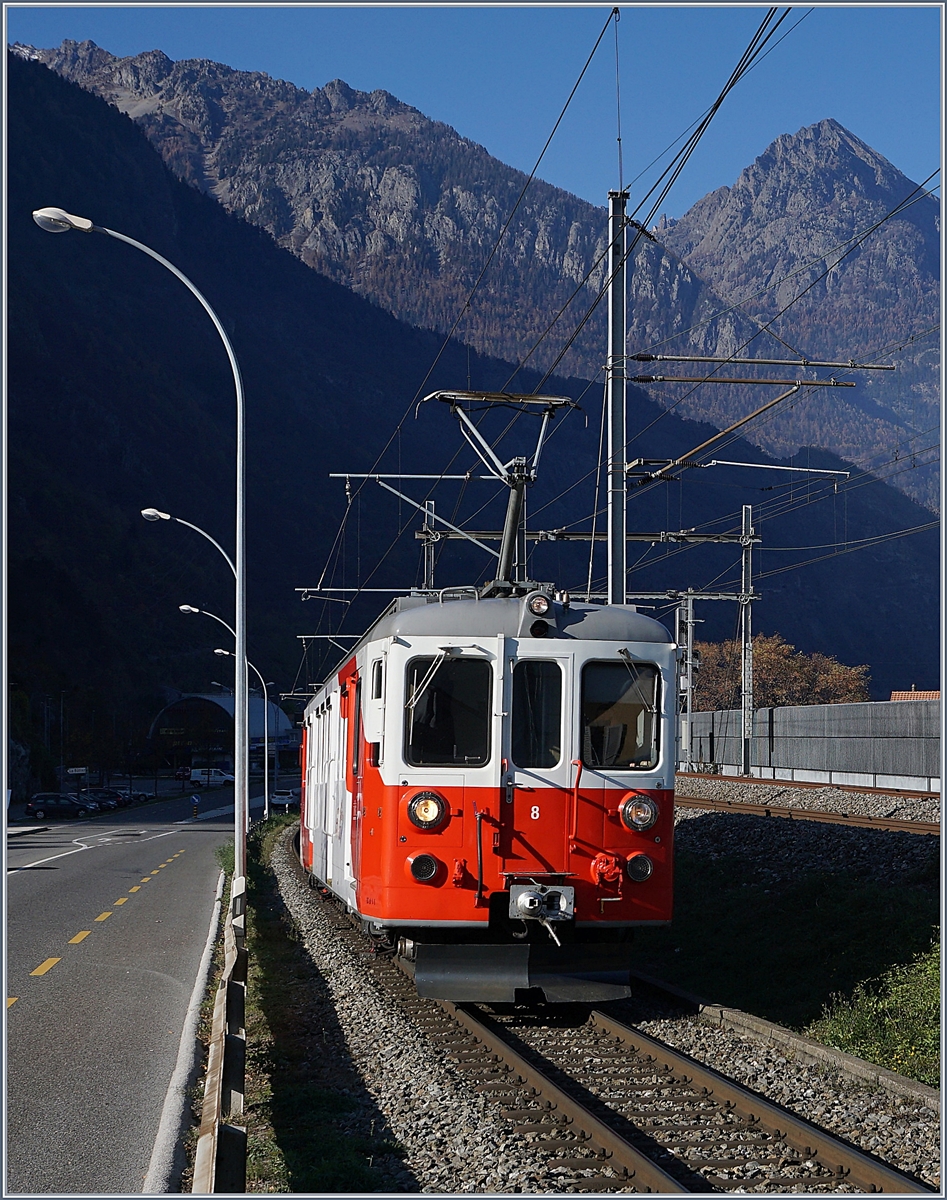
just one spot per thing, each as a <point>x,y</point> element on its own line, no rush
<point>420,616</point>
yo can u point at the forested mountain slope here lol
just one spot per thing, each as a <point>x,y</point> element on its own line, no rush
<point>120,398</point>
<point>404,211</point>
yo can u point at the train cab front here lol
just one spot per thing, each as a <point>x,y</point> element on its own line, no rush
<point>517,824</point>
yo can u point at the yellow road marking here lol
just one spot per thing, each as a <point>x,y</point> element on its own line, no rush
<point>45,966</point>
<point>79,937</point>
<point>147,879</point>
<point>136,888</point>
<point>11,1000</point>
<point>156,872</point>
<point>103,916</point>
<point>124,900</point>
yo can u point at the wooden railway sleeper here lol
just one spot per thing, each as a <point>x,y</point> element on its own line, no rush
<point>539,1127</point>
<point>600,1183</point>
<point>696,1143</point>
<point>578,1164</point>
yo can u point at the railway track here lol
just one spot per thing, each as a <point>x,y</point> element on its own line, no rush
<point>806,785</point>
<point>852,820</point>
<point>618,1111</point>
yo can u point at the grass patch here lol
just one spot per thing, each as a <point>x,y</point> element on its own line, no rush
<point>783,952</point>
<point>224,853</point>
<point>892,1021</point>
<point>310,1126</point>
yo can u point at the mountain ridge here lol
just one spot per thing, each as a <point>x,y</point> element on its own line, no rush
<point>123,402</point>
<point>403,210</point>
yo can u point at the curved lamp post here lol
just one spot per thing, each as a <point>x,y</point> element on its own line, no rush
<point>56,220</point>
<point>266,730</point>
<point>189,608</point>
<point>154,514</point>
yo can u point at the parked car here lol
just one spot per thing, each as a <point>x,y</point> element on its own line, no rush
<point>106,798</point>
<point>284,799</point>
<point>128,796</point>
<point>210,777</point>
<point>55,804</point>
<point>182,773</point>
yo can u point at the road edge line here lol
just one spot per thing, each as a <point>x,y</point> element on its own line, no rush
<point>174,1109</point>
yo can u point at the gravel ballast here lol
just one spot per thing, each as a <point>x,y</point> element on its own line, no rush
<point>884,805</point>
<point>457,1142</point>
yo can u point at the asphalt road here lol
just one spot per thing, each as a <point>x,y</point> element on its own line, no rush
<point>106,922</point>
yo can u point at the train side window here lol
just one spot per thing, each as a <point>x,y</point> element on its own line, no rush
<point>537,713</point>
<point>376,679</point>
<point>447,712</point>
<point>619,715</point>
<point>357,731</point>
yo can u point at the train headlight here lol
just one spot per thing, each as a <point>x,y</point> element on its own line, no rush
<point>427,810</point>
<point>639,868</point>
<point>638,813</point>
<point>539,604</point>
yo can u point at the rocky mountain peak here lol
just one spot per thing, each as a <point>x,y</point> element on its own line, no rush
<point>400,208</point>
<point>341,97</point>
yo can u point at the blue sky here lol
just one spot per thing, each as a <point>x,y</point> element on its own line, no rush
<point>500,74</point>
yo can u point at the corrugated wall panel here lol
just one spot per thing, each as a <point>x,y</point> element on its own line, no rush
<point>885,738</point>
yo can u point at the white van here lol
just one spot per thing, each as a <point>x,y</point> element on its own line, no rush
<point>210,777</point>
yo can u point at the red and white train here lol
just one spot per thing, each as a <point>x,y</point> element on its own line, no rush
<point>488,788</point>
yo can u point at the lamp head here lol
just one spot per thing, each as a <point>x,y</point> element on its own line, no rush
<point>226,652</point>
<point>155,514</point>
<point>56,220</point>
<point>188,608</point>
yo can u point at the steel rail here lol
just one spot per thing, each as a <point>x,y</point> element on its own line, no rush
<point>802,784</point>
<point>854,820</point>
<point>851,1165</point>
<point>648,1075</point>
<point>572,1116</point>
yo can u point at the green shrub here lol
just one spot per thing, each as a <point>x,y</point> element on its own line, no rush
<point>892,1020</point>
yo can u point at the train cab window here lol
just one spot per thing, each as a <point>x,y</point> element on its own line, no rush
<point>619,715</point>
<point>447,712</point>
<point>376,679</point>
<point>537,713</point>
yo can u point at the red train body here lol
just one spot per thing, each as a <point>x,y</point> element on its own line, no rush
<point>488,787</point>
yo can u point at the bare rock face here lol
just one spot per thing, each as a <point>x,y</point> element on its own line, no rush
<point>807,241</point>
<point>369,191</point>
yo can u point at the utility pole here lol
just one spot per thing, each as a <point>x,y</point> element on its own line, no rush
<point>684,636</point>
<point>428,530</point>
<point>746,640</point>
<point>615,375</point>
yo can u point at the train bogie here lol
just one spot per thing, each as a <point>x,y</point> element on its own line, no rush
<point>488,786</point>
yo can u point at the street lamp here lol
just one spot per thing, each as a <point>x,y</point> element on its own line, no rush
<point>154,514</point>
<point>56,220</point>
<point>266,731</point>
<point>189,608</point>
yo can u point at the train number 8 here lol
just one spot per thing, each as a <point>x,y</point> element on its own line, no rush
<point>534,812</point>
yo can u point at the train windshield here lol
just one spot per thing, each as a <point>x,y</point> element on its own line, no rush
<point>537,713</point>
<point>447,712</point>
<point>619,715</point>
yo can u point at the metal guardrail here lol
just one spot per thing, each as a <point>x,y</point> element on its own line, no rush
<point>220,1164</point>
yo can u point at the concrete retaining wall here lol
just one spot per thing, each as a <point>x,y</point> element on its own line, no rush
<point>890,744</point>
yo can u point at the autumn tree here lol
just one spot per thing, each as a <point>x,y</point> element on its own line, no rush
<point>781,675</point>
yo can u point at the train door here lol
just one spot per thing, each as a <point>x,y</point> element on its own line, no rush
<point>356,758</point>
<point>536,783</point>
